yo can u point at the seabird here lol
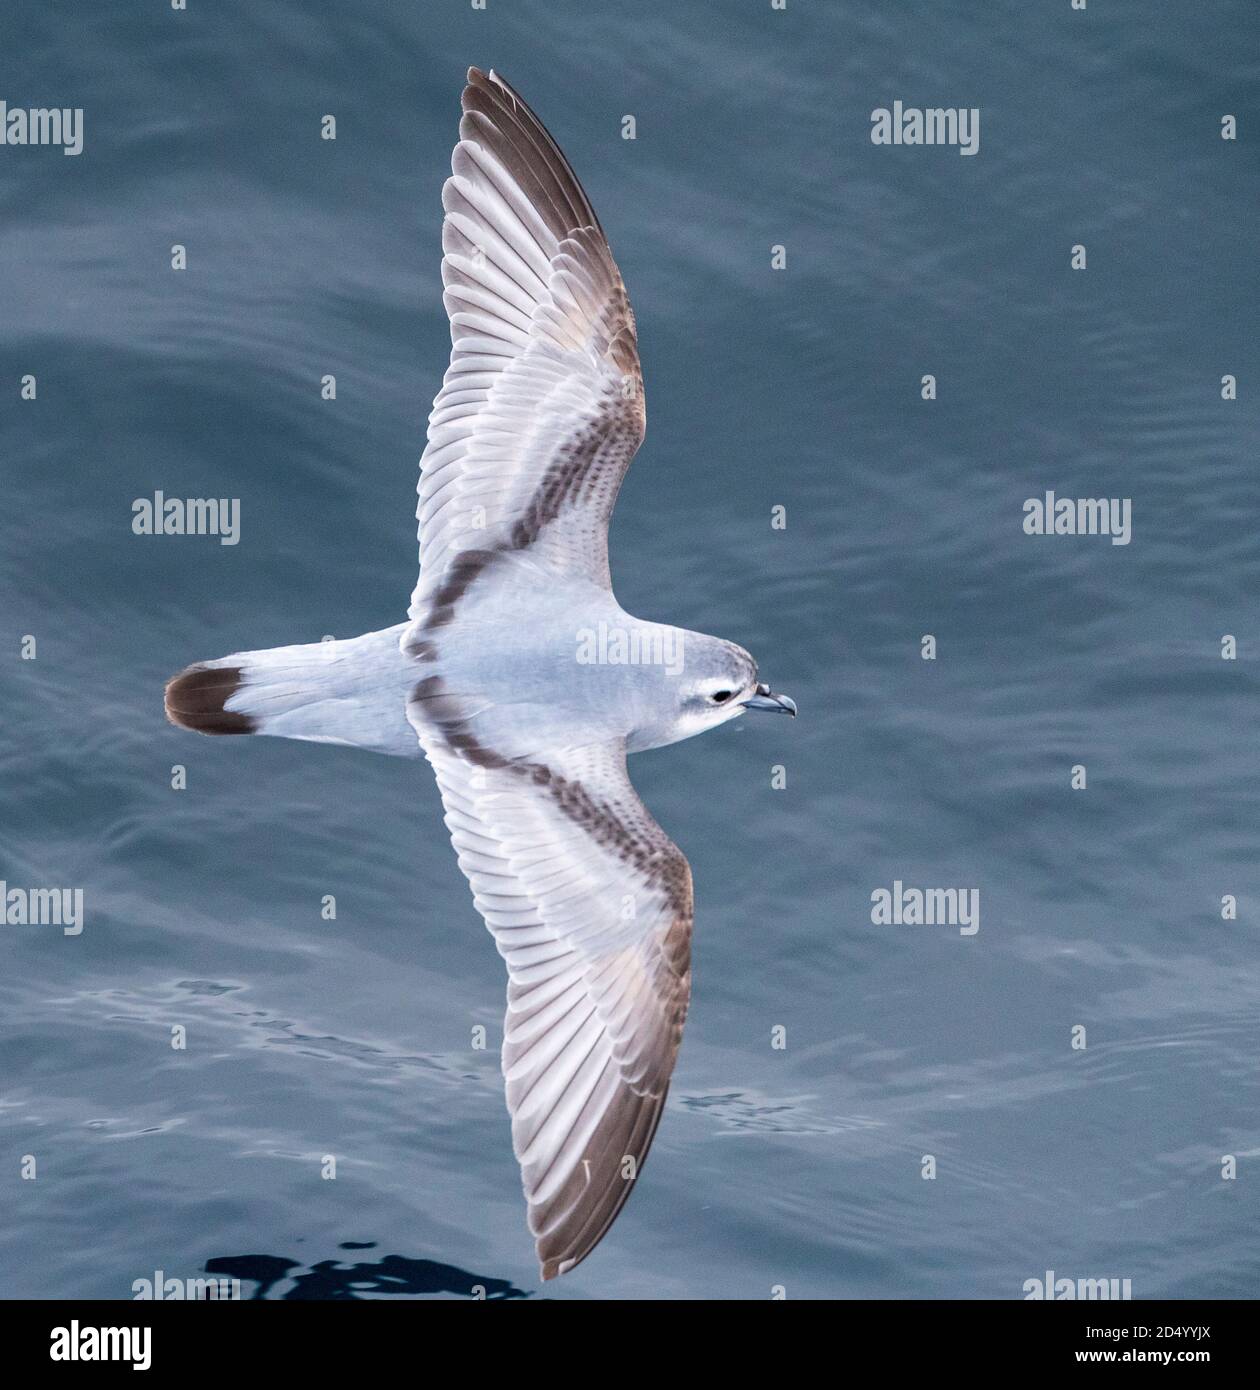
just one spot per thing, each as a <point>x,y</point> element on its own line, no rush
<point>589,901</point>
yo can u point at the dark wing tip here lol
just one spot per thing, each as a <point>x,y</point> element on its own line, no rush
<point>195,699</point>
<point>518,138</point>
<point>587,1220</point>
<point>478,81</point>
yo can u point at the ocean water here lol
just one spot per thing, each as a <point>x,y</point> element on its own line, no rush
<point>801,1166</point>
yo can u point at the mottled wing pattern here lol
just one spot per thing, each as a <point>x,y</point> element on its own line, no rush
<point>590,905</point>
<point>541,409</point>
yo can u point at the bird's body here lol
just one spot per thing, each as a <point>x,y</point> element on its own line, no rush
<point>522,680</point>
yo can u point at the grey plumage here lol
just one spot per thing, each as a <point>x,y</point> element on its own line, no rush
<point>589,901</point>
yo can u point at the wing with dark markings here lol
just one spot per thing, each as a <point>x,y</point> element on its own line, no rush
<point>590,905</point>
<point>541,409</point>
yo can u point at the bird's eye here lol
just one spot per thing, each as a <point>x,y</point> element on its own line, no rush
<point>721,696</point>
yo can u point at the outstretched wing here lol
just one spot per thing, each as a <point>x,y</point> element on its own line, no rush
<point>541,409</point>
<point>590,905</point>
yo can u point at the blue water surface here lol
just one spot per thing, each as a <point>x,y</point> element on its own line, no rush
<point>798,1167</point>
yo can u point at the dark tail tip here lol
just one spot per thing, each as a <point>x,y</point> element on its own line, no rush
<point>196,697</point>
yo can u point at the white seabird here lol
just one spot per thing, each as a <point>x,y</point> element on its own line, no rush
<point>589,901</point>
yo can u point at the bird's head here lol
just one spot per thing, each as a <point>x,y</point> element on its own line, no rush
<point>717,682</point>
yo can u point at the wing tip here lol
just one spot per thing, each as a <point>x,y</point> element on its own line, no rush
<point>476,79</point>
<point>552,1269</point>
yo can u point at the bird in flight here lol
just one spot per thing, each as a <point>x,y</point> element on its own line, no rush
<point>523,681</point>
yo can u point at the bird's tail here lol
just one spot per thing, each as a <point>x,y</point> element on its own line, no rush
<point>352,692</point>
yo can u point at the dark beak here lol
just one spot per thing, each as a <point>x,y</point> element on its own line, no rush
<point>765,698</point>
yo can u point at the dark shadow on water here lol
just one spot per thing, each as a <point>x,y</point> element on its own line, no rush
<point>331,1279</point>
